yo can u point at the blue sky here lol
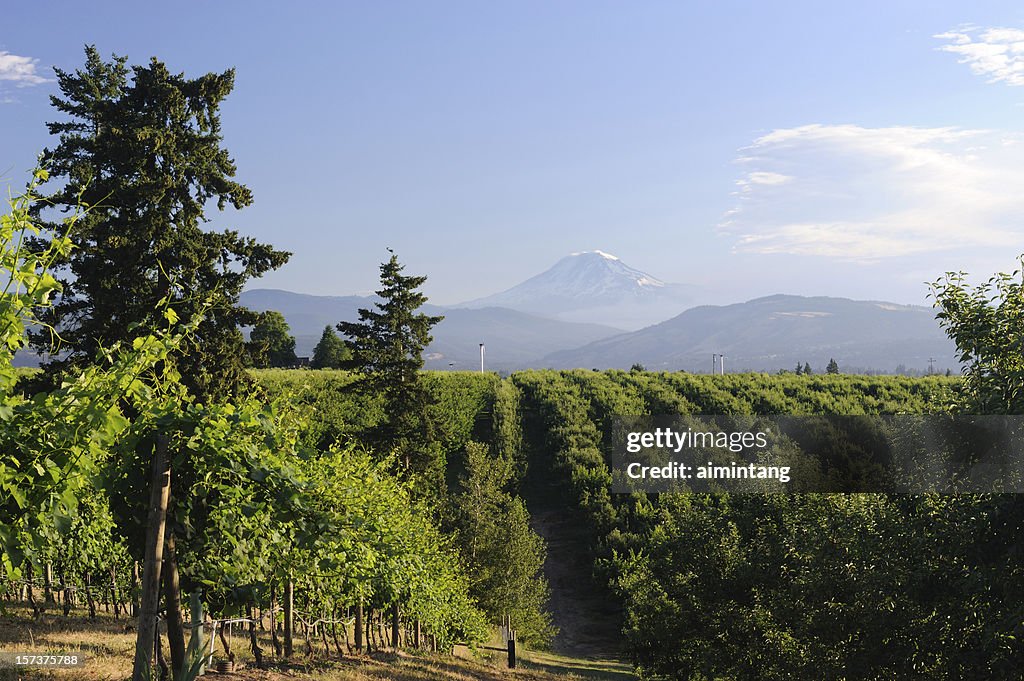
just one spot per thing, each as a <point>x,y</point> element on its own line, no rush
<point>854,149</point>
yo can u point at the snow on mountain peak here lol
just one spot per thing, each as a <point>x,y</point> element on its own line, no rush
<point>606,256</point>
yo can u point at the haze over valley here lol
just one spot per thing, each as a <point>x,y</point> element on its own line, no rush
<point>592,310</point>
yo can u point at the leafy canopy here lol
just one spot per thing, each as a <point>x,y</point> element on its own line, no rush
<point>987,324</point>
<point>271,342</point>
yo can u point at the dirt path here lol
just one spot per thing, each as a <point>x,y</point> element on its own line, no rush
<point>587,620</point>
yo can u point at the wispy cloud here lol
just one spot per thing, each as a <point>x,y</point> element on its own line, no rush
<point>19,70</point>
<point>996,53</point>
<point>870,193</point>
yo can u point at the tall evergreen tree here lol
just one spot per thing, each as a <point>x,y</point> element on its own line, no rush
<point>142,148</point>
<point>833,367</point>
<point>504,556</point>
<point>387,346</point>
<point>330,351</point>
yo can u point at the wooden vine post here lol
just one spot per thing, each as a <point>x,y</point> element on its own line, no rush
<point>156,523</point>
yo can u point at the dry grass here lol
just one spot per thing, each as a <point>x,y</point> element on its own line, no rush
<point>109,647</point>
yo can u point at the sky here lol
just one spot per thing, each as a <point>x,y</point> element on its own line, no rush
<point>848,149</point>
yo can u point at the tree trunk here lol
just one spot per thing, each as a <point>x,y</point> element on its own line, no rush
<point>359,627</point>
<point>172,599</point>
<point>88,595</point>
<point>394,627</point>
<point>113,593</point>
<point>344,632</point>
<point>254,645</point>
<point>369,631</point>
<point>273,620</point>
<point>36,610</point>
<point>334,632</point>
<point>323,636</point>
<point>135,588</point>
<point>48,583</point>
<point>416,635</point>
<point>159,652</point>
<point>159,493</point>
<point>289,621</point>
<point>224,642</point>
<point>68,597</point>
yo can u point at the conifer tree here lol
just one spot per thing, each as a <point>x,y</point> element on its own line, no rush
<point>387,346</point>
<point>330,351</point>
<point>833,367</point>
<point>141,147</point>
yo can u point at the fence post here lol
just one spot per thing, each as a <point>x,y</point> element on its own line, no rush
<point>511,648</point>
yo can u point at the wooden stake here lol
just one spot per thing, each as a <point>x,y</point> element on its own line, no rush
<point>159,493</point>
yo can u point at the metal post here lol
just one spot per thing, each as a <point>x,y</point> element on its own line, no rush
<point>481,358</point>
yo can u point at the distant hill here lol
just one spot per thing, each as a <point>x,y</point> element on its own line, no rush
<point>513,339</point>
<point>776,332</point>
<point>596,287</point>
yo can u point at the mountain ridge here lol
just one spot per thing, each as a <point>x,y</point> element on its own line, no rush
<point>774,332</point>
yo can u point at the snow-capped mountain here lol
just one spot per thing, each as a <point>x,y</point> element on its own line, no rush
<point>596,287</point>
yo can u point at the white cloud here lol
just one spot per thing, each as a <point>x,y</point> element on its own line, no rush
<point>19,70</point>
<point>871,193</point>
<point>997,53</point>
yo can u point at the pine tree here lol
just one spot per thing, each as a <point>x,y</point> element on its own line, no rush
<point>330,351</point>
<point>142,148</point>
<point>504,556</point>
<point>807,369</point>
<point>387,349</point>
<point>833,367</point>
<point>799,369</point>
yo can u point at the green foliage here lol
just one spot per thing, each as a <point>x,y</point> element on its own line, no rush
<point>53,443</point>
<point>833,367</point>
<point>987,324</point>
<point>504,557</point>
<point>251,503</point>
<point>141,147</point>
<point>330,351</point>
<point>270,342</point>
<point>387,349</point>
<point>788,586</point>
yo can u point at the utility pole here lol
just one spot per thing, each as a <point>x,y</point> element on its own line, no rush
<point>714,363</point>
<point>481,358</point>
<point>721,358</point>
<point>931,365</point>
